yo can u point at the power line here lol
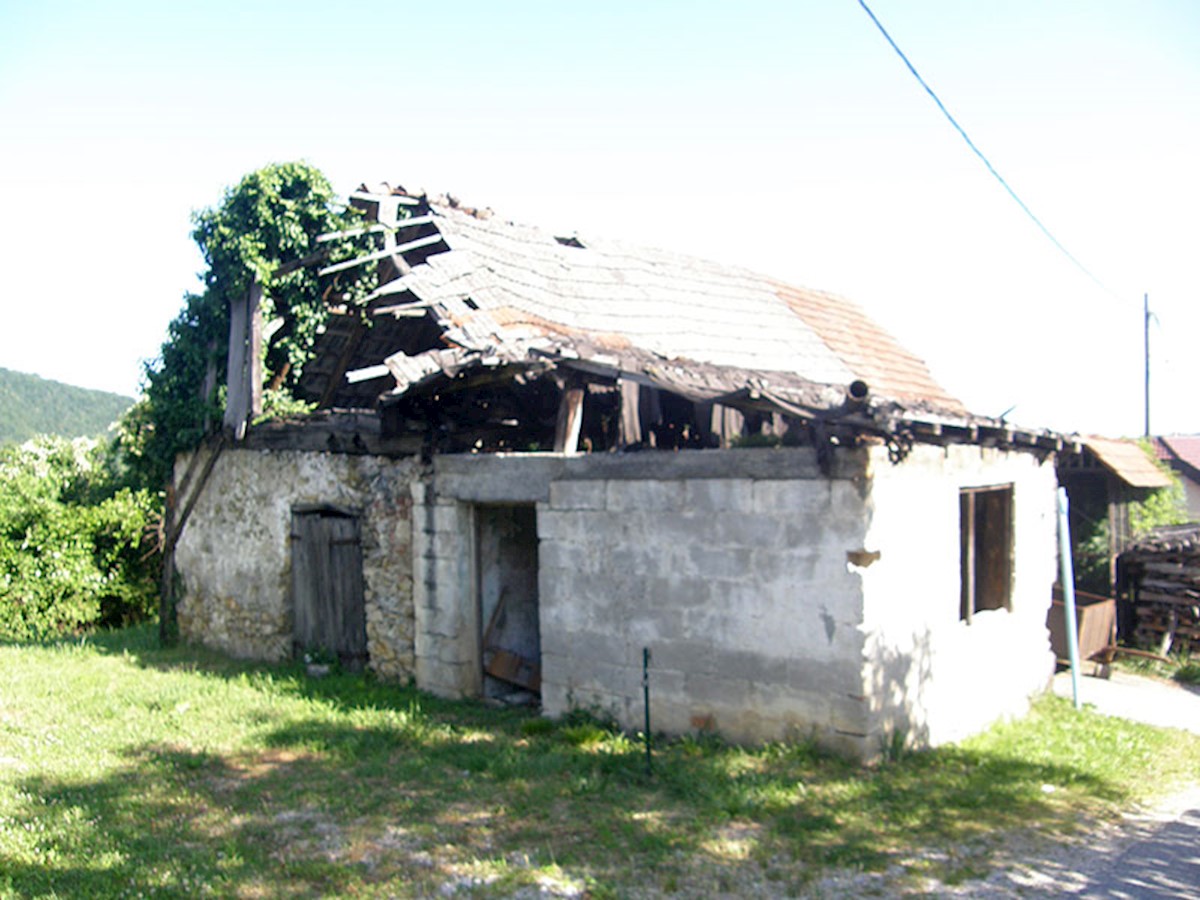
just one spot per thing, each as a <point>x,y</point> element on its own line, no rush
<point>1021,203</point>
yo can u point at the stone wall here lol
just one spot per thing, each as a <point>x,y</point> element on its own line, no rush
<point>933,678</point>
<point>234,555</point>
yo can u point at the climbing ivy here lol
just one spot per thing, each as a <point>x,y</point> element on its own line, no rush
<point>272,217</point>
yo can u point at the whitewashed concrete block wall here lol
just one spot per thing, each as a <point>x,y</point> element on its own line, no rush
<point>930,675</point>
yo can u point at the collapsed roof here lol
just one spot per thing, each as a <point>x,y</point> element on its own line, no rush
<point>466,300</point>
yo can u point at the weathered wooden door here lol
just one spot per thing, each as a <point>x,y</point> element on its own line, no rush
<point>327,584</point>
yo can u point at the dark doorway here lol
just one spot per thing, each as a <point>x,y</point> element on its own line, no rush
<point>327,585</point>
<point>510,642</point>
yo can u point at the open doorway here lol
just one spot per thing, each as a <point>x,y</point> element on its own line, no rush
<point>510,641</point>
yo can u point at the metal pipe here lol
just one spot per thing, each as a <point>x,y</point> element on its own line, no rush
<point>1068,585</point>
<point>856,394</point>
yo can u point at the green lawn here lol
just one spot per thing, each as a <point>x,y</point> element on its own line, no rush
<point>126,770</point>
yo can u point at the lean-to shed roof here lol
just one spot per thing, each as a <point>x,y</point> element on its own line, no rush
<point>1128,461</point>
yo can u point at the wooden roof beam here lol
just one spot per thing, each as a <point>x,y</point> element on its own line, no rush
<point>399,249</point>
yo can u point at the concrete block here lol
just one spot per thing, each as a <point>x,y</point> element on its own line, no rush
<point>554,553</point>
<point>421,491</point>
<point>561,613</point>
<point>449,516</point>
<point>722,694</point>
<point>623,496</point>
<point>746,530</point>
<point>754,463</point>
<point>578,526</point>
<point>636,558</point>
<point>452,576</point>
<point>708,495</point>
<point>680,592</point>
<point>654,625</point>
<point>749,665</point>
<point>577,495</point>
<point>685,654</point>
<point>822,676</point>
<point>496,478</point>
<point>450,544</point>
<point>729,563</point>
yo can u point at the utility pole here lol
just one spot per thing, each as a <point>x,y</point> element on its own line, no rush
<point>1146,345</point>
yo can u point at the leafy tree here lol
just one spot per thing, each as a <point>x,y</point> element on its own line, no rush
<point>72,540</point>
<point>272,217</point>
<point>30,406</point>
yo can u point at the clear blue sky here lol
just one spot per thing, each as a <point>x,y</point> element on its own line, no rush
<point>785,137</point>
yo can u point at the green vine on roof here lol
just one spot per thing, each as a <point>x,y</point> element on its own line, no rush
<point>272,217</point>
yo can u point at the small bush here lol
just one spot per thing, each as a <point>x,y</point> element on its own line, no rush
<point>1188,673</point>
<point>72,543</point>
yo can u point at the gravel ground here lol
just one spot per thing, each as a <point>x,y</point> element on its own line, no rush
<point>1153,852</point>
<point>1150,853</point>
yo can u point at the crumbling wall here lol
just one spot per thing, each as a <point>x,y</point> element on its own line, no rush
<point>234,556</point>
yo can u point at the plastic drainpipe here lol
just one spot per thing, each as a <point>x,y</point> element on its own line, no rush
<point>1068,585</point>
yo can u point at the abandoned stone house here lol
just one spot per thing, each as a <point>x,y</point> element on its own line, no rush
<point>539,455</point>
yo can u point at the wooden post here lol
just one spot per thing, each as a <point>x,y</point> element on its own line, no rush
<point>631,423</point>
<point>254,350</point>
<point>168,625</point>
<point>243,376</point>
<point>570,421</point>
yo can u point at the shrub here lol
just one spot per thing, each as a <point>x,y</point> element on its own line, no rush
<point>73,552</point>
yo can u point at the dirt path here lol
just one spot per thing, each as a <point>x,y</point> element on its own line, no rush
<point>1153,853</point>
<point>1150,853</point>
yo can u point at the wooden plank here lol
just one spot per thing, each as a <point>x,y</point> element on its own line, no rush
<point>255,367</point>
<point>400,309</point>
<point>631,425</point>
<point>237,400</point>
<point>401,199</point>
<point>399,249</point>
<point>288,267</point>
<point>1178,568</point>
<point>570,421</point>
<point>1175,599</point>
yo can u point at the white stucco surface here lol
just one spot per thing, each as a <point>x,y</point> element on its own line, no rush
<point>930,675</point>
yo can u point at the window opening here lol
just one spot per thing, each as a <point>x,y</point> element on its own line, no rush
<point>985,536</point>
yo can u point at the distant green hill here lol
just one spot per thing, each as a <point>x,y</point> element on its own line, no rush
<point>31,405</point>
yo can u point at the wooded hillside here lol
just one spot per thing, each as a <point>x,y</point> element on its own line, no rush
<point>32,405</point>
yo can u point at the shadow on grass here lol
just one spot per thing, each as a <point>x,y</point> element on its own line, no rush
<point>396,790</point>
<point>342,808</point>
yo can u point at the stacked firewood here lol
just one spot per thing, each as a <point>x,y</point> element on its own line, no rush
<point>1161,574</point>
